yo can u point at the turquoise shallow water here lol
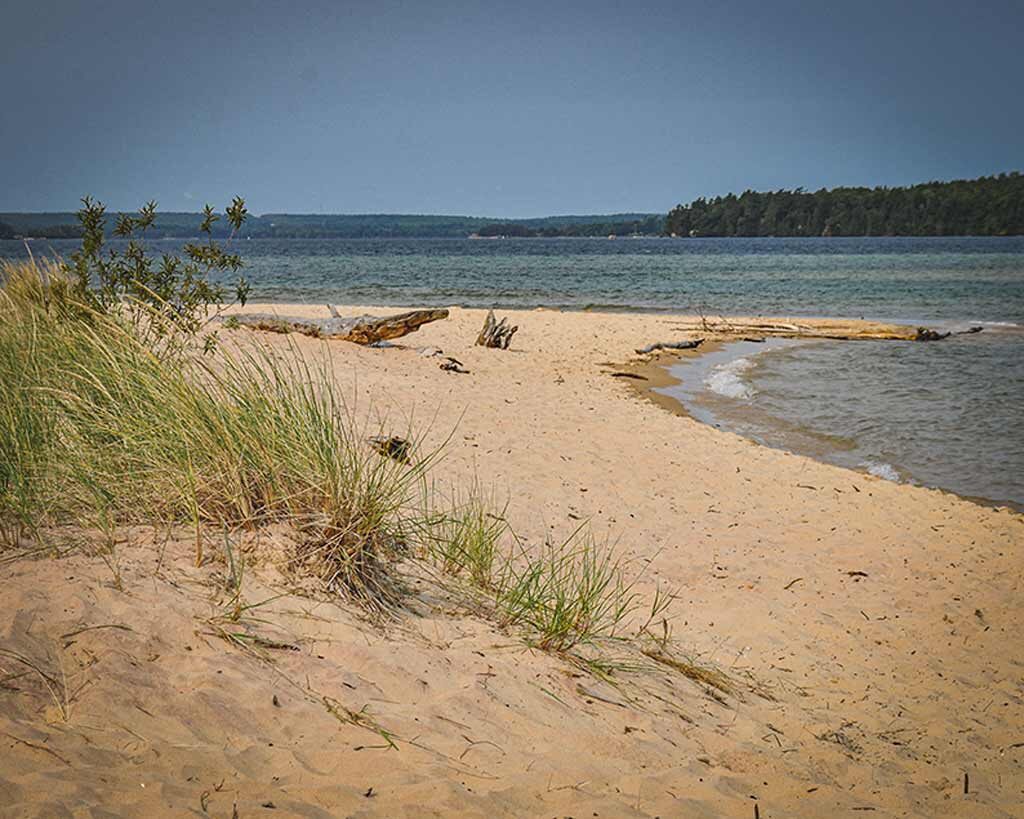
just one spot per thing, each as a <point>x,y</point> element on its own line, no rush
<point>947,414</point>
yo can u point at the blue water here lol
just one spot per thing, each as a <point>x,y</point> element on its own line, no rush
<point>942,414</point>
<point>894,278</point>
<point>946,414</point>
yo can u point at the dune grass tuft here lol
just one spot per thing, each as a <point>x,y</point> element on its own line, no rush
<point>98,429</point>
<point>566,593</point>
<point>466,539</point>
<point>560,595</point>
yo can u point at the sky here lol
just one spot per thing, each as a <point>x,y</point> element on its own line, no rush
<point>497,109</point>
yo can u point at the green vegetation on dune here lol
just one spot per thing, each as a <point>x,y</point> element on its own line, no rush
<point>116,411</point>
<point>102,430</point>
<point>989,206</point>
<point>104,426</point>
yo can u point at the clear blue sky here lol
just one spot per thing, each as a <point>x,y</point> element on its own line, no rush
<point>499,109</point>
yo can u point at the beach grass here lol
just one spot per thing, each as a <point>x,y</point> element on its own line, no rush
<point>102,428</point>
<point>559,595</point>
<point>464,538</point>
<point>566,593</point>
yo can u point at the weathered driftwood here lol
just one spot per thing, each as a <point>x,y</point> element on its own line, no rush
<point>671,345</point>
<point>359,329</point>
<point>838,329</point>
<point>495,333</point>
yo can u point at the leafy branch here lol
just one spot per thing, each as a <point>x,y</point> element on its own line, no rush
<point>174,294</point>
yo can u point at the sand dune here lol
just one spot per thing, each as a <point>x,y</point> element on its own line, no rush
<point>874,627</point>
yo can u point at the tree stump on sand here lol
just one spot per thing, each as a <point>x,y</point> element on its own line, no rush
<point>358,329</point>
<point>497,334</point>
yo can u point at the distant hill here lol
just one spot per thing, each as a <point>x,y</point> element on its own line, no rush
<point>347,226</point>
<point>625,224</point>
<point>988,206</point>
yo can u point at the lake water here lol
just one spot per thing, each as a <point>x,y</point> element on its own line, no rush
<point>946,414</point>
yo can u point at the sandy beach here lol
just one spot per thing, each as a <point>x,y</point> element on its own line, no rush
<point>873,628</point>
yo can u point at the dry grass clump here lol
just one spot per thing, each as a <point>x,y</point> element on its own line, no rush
<point>561,595</point>
<point>702,674</point>
<point>575,597</point>
<point>465,541</point>
<point>54,682</point>
<point>99,428</point>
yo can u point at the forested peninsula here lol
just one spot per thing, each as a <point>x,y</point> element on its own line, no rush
<point>989,206</point>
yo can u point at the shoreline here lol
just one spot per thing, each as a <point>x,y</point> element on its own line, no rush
<point>654,368</point>
<point>656,374</point>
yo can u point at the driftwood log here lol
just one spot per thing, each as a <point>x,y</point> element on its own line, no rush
<point>671,345</point>
<point>358,329</point>
<point>495,333</point>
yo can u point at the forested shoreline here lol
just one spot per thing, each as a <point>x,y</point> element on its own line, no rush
<point>989,206</point>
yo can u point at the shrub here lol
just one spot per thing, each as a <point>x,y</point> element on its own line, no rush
<point>174,294</point>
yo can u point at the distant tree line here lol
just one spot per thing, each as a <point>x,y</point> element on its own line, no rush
<point>647,226</point>
<point>178,225</point>
<point>989,206</point>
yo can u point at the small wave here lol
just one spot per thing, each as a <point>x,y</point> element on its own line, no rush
<point>727,379</point>
<point>880,469</point>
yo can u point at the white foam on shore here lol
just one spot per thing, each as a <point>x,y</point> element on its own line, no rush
<point>882,470</point>
<point>727,379</point>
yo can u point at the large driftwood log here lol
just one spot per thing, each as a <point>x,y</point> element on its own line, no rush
<point>671,345</point>
<point>495,333</point>
<point>359,329</point>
